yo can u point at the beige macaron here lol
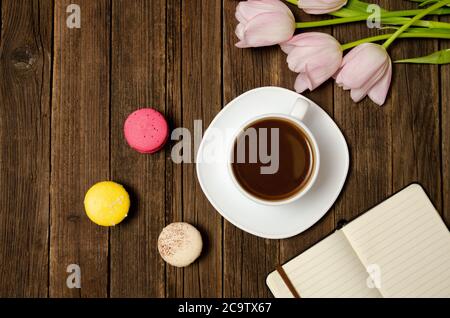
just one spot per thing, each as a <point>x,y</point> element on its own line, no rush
<point>180,244</point>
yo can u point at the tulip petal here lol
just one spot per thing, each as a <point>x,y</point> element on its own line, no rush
<point>309,80</point>
<point>312,39</point>
<point>348,57</point>
<point>240,17</point>
<point>366,70</point>
<point>357,94</point>
<point>321,74</point>
<point>379,91</point>
<point>247,10</point>
<point>278,4</point>
<point>302,83</point>
<point>353,53</point>
<point>242,45</point>
<point>362,66</point>
<point>250,9</point>
<point>299,57</point>
<point>321,6</point>
<point>321,11</point>
<point>314,49</point>
<point>268,29</point>
<point>240,31</point>
<point>315,56</point>
<point>360,92</point>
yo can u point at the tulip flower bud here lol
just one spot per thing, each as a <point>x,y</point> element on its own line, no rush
<point>263,23</point>
<point>321,6</point>
<point>315,56</point>
<point>366,70</point>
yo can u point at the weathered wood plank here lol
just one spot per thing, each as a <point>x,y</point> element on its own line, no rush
<point>80,147</point>
<point>25,92</point>
<point>201,95</point>
<point>247,259</point>
<point>173,56</point>
<point>138,80</point>
<point>323,96</point>
<point>445,132</point>
<point>367,128</point>
<point>239,270</point>
<point>415,125</point>
<point>174,172</point>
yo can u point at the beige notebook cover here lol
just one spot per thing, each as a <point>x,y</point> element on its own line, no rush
<point>400,248</point>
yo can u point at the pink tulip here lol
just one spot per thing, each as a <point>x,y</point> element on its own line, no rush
<point>321,6</point>
<point>315,56</point>
<point>263,23</point>
<point>366,70</point>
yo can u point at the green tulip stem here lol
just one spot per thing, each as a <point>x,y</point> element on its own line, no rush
<point>417,17</point>
<point>428,35</point>
<point>362,17</point>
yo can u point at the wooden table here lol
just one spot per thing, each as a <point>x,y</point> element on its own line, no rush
<point>65,94</point>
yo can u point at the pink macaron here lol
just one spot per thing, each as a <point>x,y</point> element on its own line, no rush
<point>146,130</point>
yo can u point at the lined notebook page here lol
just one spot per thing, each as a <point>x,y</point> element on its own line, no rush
<point>407,239</point>
<point>328,269</point>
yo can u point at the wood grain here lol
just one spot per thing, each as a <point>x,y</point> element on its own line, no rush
<point>323,96</point>
<point>396,144</point>
<point>201,95</point>
<point>65,94</point>
<point>367,129</point>
<point>445,131</point>
<point>174,171</point>
<point>138,80</point>
<point>25,72</point>
<point>247,259</point>
<point>415,119</point>
<point>80,147</point>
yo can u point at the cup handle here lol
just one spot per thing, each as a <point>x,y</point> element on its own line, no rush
<point>300,108</point>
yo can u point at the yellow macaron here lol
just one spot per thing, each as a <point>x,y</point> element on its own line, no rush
<point>107,203</point>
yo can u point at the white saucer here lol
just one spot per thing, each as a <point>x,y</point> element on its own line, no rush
<point>274,222</point>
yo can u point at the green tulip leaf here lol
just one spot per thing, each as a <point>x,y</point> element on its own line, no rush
<point>357,5</point>
<point>439,57</point>
<point>425,2</point>
<point>432,30</point>
<point>353,8</point>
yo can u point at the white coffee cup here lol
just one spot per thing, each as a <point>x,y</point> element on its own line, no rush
<point>296,117</point>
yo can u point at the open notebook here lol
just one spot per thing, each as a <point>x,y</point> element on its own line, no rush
<point>402,243</point>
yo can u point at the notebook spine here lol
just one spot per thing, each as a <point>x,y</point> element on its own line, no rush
<point>287,281</point>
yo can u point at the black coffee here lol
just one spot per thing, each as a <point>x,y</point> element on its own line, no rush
<point>295,159</point>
